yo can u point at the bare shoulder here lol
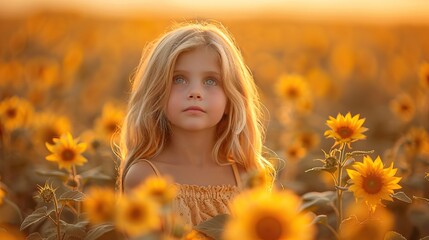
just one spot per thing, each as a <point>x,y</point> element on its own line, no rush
<point>136,174</point>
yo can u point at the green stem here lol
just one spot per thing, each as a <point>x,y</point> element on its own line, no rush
<point>332,230</point>
<point>73,172</point>
<point>76,189</point>
<point>339,182</point>
<point>57,215</point>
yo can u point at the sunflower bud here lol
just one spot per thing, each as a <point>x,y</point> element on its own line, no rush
<point>330,162</point>
<point>46,193</point>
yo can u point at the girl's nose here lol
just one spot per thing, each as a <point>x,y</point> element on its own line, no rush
<point>194,95</point>
<point>195,91</point>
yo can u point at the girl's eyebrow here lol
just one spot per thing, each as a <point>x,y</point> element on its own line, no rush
<point>216,73</point>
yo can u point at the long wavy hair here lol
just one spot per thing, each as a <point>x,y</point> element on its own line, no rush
<point>145,131</point>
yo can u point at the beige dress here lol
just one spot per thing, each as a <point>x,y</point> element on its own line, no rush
<point>196,204</point>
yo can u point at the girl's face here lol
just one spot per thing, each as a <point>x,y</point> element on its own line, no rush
<point>197,100</point>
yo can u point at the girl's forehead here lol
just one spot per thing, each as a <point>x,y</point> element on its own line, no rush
<point>200,57</point>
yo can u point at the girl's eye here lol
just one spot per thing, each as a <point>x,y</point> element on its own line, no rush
<point>179,80</point>
<point>211,82</point>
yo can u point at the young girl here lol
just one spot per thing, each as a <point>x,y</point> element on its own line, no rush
<point>195,115</point>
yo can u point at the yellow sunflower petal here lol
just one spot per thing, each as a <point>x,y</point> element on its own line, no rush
<point>372,182</point>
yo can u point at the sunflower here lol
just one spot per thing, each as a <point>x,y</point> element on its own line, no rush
<point>261,215</point>
<point>137,214</point>
<point>109,121</point>
<point>99,204</point>
<point>66,151</point>
<point>372,182</point>
<point>43,71</point>
<point>292,88</point>
<point>161,189</point>
<point>295,152</point>
<point>309,140</point>
<point>418,141</point>
<point>403,107</point>
<point>364,224</point>
<point>15,113</point>
<point>424,75</point>
<point>48,126</point>
<point>345,129</point>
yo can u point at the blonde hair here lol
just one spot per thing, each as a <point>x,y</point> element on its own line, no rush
<point>146,130</point>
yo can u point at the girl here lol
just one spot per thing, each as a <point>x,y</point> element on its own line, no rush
<point>195,115</point>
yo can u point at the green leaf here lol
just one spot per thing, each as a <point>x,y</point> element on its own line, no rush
<point>348,162</point>
<point>99,230</point>
<point>34,236</point>
<point>314,199</point>
<point>332,169</point>
<point>52,173</point>
<point>73,231</point>
<point>359,153</point>
<point>95,173</point>
<point>37,216</point>
<point>313,195</point>
<point>392,235</point>
<point>213,227</point>
<point>401,196</point>
<point>72,196</point>
<point>421,198</point>
<point>310,205</point>
<point>322,219</point>
<point>342,188</point>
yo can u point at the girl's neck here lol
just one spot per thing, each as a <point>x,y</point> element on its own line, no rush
<point>191,147</point>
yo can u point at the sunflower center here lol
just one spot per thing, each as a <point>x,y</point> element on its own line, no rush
<point>372,184</point>
<point>293,152</point>
<point>111,127</point>
<point>101,209</point>
<point>345,132</point>
<point>11,113</point>
<point>158,193</point>
<point>307,141</point>
<point>292,92</point>
<point>269,228</point>
<point>135,214</point>
<point>67,155</point>
<point>405,107</point>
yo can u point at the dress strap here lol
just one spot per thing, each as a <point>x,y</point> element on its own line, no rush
<point>155,170</point>
<point>236,174</point>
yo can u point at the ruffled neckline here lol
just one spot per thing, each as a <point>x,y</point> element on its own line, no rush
<point>209,191</point>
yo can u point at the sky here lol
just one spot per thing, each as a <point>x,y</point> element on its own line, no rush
<point>413,11</point>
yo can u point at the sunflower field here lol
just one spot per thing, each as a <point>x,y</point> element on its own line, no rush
<point>348,108</point>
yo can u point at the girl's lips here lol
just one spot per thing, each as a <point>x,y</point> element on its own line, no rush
<point>194,108</point>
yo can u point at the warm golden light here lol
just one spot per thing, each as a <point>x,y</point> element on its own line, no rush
<point>411,11</point>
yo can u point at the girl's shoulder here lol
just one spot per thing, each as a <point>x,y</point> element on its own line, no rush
<point>137,173</point>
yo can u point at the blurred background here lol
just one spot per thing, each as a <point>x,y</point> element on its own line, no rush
<point>67,65</point>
